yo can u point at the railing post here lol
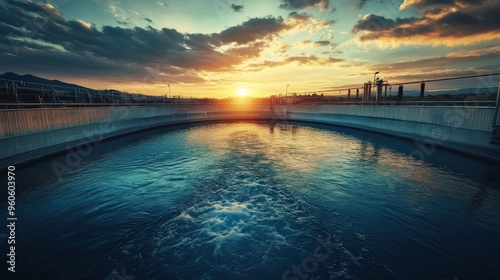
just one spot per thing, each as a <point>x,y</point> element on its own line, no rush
<point>422,90</point>
<point>385,92</point>
<point>379,91</point>
<point>400,93</point>
<point>348,96</point>
<point>367,92</point>
<point>14,90</point>
<point>495,115</point>
<point>53,95</point>
<point>357,94</point>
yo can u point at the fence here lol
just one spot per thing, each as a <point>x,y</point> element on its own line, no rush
<point>20,94</point>
<point>482,92</point>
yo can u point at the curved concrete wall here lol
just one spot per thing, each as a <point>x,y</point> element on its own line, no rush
<point>466,129</point>
<point>26,134</point>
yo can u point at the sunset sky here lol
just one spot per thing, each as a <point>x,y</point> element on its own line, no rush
<point>213,48</point>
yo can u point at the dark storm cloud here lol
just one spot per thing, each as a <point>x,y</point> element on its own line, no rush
<point>456,23</point>
<point>63,64</point>
<point>377,23</point>
<point>252,29</point>
<point>8,29</point>
<point>38,37</point>
<point>460,18</point>
<point>237,8</point>
<point>304,4</point>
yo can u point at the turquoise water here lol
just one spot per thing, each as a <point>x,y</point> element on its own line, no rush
<point>242,201</point>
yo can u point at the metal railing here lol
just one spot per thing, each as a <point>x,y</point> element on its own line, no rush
<point>20,94</point>
<point>381,92</point>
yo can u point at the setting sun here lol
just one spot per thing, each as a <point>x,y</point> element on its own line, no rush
<point>242,91</point>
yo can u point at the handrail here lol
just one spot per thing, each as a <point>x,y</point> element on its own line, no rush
<point>17,94</point>
<point>447,79</point>
<point>479,103</point>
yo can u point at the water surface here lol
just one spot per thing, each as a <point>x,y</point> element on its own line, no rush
<point>242,201</point>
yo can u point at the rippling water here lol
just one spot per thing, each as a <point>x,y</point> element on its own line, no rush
<point>242,201</point>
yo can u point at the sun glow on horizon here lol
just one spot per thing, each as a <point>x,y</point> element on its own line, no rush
<point>242,91</point>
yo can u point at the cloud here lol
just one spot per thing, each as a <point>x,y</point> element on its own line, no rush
<point>361,4</point>
<point>33,34</point>
<point>251,30</point>
<point>237,8</point>
<point>430,3</point>
<point>118,13</point>
<point>304,4</point>
<point>309,44</point>
<point>425,3</point>
<point>322,43</point>
<point>299,59</point>
<point>304,21</point>
<point>436,62</point>
<point>162,4</point>
<point>125,51</point>
<point>449,65</point>
<point>457,25</point>
<point>454,58</point>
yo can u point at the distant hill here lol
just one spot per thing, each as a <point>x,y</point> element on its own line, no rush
<point>37,82</point>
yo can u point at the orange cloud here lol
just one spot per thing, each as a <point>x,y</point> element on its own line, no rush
<point>447,23</point>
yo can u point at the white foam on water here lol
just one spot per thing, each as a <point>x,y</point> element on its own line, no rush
<point>244,221</point>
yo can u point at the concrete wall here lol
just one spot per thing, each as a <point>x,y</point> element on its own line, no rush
<point>30,133</point>
<point>459,126</point>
